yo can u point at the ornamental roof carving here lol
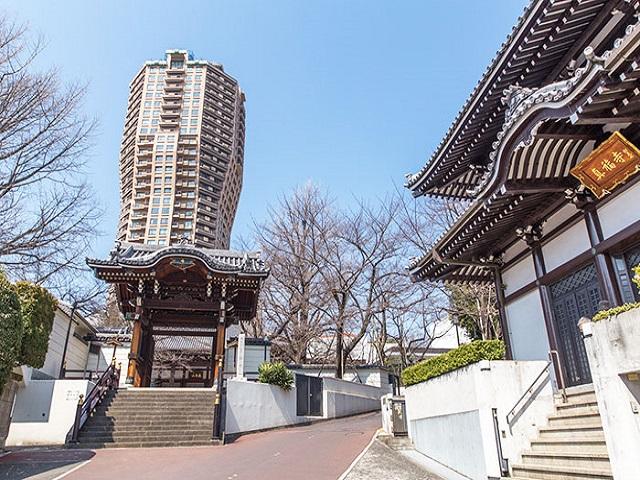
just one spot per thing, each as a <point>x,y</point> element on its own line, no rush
<point>132,255</point>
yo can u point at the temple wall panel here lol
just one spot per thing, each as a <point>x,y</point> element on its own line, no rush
<point>518,275</point>
<point>555,220</point>
<point>620,211</point>
<point>527,330</point>
<point>513,251</point>
<point>566,246</point>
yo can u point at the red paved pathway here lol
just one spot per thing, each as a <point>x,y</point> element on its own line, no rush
<point>315,452</point>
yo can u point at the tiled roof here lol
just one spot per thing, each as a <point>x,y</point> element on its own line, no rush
<point>142,255</point>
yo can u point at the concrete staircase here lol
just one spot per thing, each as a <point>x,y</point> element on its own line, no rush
<point>571,446</point>
<point>150,417</point>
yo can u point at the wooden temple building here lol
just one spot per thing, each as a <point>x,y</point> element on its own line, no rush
<point>182,291</point>
<point>544,154</point>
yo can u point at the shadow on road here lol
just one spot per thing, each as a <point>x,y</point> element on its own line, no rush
<point>40,464</point>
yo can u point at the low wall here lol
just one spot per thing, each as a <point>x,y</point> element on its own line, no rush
<point>450,417</point>
<point>342,398</point>
<point>44,411</point>
<point>252,406</point>
<point>614,357</point>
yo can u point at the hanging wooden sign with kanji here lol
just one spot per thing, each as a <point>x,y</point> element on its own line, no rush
<point>609,165</point>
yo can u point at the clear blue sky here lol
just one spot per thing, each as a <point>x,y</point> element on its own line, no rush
<point>348,94</point>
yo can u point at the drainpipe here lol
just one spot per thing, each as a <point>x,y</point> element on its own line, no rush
<point>61,374</point>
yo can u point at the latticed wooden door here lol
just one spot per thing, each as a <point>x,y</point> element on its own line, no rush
<point>575,296</point>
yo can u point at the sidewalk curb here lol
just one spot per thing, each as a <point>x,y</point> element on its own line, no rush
<point>357,459</point>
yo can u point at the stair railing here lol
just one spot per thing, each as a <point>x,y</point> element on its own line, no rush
<point>109,379</point>
<point>555,358</point>
<point>512,413</point>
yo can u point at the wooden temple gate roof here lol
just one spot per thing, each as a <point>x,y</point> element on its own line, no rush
<point>182,284</point>
<point>548,36</point>
<point>546,130</point>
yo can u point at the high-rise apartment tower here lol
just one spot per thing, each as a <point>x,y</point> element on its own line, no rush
<point>182,153</point>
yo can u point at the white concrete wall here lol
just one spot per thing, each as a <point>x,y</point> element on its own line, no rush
<point>367,376</point>
<point>44,411</point>
<point>453,413</point>
<point>77,350</point>
<point>620,211</point>
<point>342,398</point>
<point>566,246</point>
<point>613,347</point>
<point>518,275</point>
<point>527,330</point>
<point>254,406</point>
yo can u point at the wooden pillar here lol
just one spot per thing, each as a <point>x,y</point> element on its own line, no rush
<point>602,261</point>
<point>133,375</point>
<point>497,276</point>
<point>531,236</point>
<point>218,425</point>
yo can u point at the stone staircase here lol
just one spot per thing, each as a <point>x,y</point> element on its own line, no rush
<point>571,446</point>
<point>150,417</point>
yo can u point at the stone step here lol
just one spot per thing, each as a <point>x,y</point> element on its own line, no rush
<point>145,444</point>
<point>152,403</point>
<point>396,443</point>
<point>570,445</point>
<point>150,418</point>
<point>596,461</point>
<point>143,437</point>
<point>156,411</point>
<point>576,432</point>
<point>544,472</point>
<point>154,428</point>
<point>575,416</point>
<point>166,425</point>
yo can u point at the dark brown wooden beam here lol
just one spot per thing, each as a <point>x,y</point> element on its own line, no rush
<point>188,305</point>
<point>536,186</point>
<point>184,333</point>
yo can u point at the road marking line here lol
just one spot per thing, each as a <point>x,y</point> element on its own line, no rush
<point>77,467</point>
<point>357,459</point>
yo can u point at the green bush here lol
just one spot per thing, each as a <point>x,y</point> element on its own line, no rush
<point>447,362</point>
<point>38,310</point>
<point>602,314</point>
<point>11,328</point>
<point>275,373</point>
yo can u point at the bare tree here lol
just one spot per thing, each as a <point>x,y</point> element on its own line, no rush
<point>47,213</point>
<point>293,299</point>
<point>472,306</point>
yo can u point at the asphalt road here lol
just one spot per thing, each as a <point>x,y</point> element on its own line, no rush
<point>322,451</point>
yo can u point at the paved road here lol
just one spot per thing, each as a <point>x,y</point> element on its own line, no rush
<point>322,451</point>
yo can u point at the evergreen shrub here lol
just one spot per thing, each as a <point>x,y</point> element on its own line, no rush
<point>11,328</point>
<point>454,359</point>
<point>275,373</point>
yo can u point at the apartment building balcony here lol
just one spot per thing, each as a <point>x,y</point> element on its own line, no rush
<point>172,97</point>
<point>169,114</point>
<point>171,105</point>
<point>174,78</point>
<point>169,124</point>
<point>173,87</point>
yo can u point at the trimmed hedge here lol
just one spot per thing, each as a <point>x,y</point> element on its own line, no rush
<point>275,374</point>
<point>447,362</point>
<point>602,314</point>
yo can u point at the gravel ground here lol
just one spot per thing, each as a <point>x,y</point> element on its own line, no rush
<point>382,463</point>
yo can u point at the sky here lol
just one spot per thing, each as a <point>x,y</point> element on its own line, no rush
<point>348,94</point>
